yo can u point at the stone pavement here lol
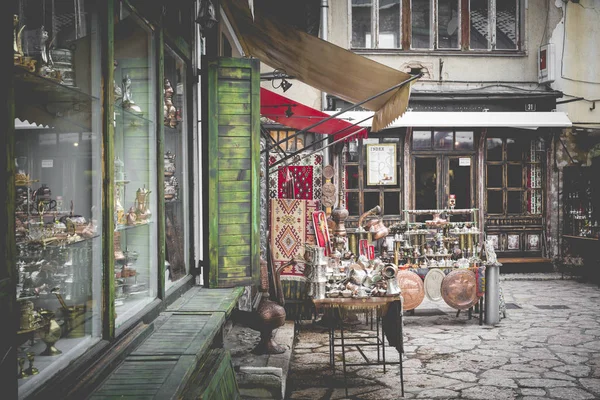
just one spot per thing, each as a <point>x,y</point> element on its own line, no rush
<point>547,347</point>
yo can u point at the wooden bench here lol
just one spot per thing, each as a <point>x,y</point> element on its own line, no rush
<point>180,359</point>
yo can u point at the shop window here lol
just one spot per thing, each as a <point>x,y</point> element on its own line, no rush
<point>514,176</point>
<point>175,179</point>
<point>58,154</point>
<point>361,194</point>
<point>436,24</point>
<point>135,201</point>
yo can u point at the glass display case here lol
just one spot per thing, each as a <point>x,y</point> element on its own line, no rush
<point>175,172</point>
<point>58,164</point>
<point>135,200</point>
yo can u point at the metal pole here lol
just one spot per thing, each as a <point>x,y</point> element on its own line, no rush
<point>492,294</point>
<point>322,140</point>
<point>352,106</point>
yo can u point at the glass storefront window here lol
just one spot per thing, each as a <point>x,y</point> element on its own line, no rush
<point>175,175</point>
<point>135,199</point>
<point>58,160</point>
<point>421,140</point>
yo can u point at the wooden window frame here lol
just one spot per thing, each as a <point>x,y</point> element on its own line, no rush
<point>361,164</point>
<point>464,26</point>
<point>523,189</point>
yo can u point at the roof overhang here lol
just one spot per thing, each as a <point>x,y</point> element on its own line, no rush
<point>295,115</point>
<point>321,64</point>
<point>418,119</point>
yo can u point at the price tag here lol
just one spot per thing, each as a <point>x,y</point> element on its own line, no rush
<point>464,161</point>
<point>47,163</point>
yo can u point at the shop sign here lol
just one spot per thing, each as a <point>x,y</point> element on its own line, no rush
<point>47,163</point>
<point>381,164</point>
<point>464,161</point>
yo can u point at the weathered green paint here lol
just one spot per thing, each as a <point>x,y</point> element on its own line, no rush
<point>238,229</point>
<point>234,108</point>
<point>160,165</point>
<point>233,152</point>
<point>225,142</point>
<point>234,186</point>
<point>232,207</point>
<point>235,73</point>
<point>234,131</point>
<point>234,127</point>
<point>233,219</point>
<point>234,197</point>
<point>235,120</point>
<point>234,86</point>
<point>214,378</point>
<point>240,163</point>
<point>107,48</point>
<point>234,250</point>
<point>235,240</point>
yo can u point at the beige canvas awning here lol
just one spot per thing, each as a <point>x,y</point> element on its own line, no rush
<point>320,64</point>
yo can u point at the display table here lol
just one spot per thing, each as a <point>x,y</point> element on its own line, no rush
<point>335,310</point>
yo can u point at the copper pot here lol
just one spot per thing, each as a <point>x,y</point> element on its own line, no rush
<point>378,229</point>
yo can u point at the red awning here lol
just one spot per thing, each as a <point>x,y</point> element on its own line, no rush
<point>298,116</point>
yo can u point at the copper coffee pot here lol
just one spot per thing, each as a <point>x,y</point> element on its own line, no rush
<point>375,226</point>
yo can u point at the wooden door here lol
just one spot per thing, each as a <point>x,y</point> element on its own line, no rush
<point>234,164</point>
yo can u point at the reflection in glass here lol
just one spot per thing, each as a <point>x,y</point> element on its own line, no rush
<point>352,203</point>
<point>514,149</point>
<point>448,24</point>
<point>442,140</point>
<point>425,183</point>
<point>361,23</point>
<point>463,140</point>
<point>480,31</point>
<point>371,200</point>
<point>514,202</point>
<point>460,183</point>
<point>514,176</point>
<point>391,203</point>
<point>506,25</point>
<point>421,140</point>
<point>494,149</point>
<point>352,177</point>
<point>175,177</point>
<point>389,24</point>
<point>421,16</point>
<point>494,176</point>
<point>136,268</point>
<point>494,202</point>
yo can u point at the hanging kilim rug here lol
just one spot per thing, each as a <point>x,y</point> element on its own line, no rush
<point>304,176</point>
<point>291,229</point>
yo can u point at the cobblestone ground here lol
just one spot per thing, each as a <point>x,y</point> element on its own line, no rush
<point>547,347</point>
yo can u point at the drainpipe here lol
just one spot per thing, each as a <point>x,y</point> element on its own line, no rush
<point>324,36</point>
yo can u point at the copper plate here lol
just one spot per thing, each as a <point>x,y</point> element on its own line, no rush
<point>328,171</point>
<point>411,287</point>
<point>459,289</point>
<point>433,284</point>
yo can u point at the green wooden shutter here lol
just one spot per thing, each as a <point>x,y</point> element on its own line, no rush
<point>234,162</point>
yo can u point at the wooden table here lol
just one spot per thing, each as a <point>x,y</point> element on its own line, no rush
<point>336,308</point>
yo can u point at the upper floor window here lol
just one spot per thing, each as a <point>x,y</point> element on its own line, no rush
<point>435,24</point>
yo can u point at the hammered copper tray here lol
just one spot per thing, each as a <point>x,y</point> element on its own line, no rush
<point>459,289</point>
<point>412,290</point>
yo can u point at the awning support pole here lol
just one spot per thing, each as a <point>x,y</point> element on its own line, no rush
<point>322,140</point>
<point>399,85</point>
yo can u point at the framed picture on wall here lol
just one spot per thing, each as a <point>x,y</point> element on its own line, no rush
<point>381,164</point>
